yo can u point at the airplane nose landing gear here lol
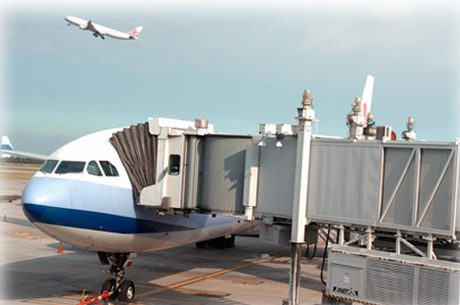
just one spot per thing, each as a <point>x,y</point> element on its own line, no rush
<point>119,288</point>
<point>126,291</point>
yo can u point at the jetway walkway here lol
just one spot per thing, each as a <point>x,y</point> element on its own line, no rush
<point>408,186</point>
<point>411,186</point>
<point>365,187</point>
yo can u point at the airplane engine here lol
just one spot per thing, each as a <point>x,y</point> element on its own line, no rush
<point>83,27</point>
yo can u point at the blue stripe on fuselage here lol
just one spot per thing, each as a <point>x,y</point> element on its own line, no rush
<point>96,221</point>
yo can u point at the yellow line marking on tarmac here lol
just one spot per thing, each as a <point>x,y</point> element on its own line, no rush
<point>175,286</point>
<point>38,237</point>
<point>205,277</point>
<point>69,297</point>
<point>17,233</point>
<point>193,291</point>
<point>217,278</point>
<point>27,235</point>
<point>238,280</point>
<point>174,301</point>
<point>44,302</point>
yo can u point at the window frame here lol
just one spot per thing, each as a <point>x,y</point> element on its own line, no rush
<point>100,174</point>
<point>80,170</point>
<point>108,172</point>
<point>56,162</point>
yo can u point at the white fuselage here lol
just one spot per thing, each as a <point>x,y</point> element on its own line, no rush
<point>82,196</point>
<point>102,31</point>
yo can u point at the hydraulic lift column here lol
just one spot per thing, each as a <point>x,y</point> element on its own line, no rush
<point>305,117</point>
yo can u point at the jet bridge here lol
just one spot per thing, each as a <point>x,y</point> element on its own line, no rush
<point>368,188</point>
<point>394,185</point>
<point>410,186</point>
<point>183,165</point>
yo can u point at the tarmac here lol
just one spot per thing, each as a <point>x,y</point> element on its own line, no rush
<point>253,272</point>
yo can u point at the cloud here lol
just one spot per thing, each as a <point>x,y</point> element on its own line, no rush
<point>392,30</point>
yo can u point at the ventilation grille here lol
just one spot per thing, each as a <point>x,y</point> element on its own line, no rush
<point>389,283</point>
<point>433,287</point>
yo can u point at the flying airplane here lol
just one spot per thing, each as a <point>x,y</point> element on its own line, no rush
<point>102,31</point>
<point>82,196</point>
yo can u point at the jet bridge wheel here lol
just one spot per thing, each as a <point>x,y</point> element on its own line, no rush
<point>109,286</point>
<point>201,244</point>
<point>126,291</point>
<point>221,242</point>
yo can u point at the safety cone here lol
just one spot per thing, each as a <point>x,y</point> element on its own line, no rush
<point>60,249</point>
<point>4,218</point>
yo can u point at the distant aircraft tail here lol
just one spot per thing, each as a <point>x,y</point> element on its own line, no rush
<point>133,34</point>
<point>366,99</point>
<point>6,144</point>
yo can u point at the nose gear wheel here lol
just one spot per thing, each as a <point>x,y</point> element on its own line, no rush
<point>119,288</point>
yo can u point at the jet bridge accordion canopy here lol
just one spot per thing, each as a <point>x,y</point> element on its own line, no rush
<point>137,149</point>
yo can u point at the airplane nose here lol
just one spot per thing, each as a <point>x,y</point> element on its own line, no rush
<point>42,199</point>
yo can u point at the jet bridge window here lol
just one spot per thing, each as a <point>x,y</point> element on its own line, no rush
<point>174,165</point>
<point>93,169</point>
<point>70,167</point>
<point>48,166</point>
<point>109,169</point>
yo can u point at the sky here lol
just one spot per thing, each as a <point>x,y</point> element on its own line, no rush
<point>237,64</point>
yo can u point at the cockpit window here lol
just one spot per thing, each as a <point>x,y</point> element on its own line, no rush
<point>108,168</point>
<point>93,169</point>
<point>70,167</point>
<point>48,166</point>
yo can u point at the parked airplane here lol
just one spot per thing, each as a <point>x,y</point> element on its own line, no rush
<point>102,31</point>
<point>82,196</point>
<point>366,99</point>
<point>8,150</point>
<point>6,143</point>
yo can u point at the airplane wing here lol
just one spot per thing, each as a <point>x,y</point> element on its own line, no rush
<point>24,154</point>
<point>96,29</point>
<point>7,149</point>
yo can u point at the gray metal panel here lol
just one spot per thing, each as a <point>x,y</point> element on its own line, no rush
<point>346,275</point>
<point>454,288</point>
<point>433,169</point>
<point>276,177</point>
<point>420,188</point>
<point>344,182</point>
<point>192,184</point>
<point>399,182</point>
<point>223,173</point>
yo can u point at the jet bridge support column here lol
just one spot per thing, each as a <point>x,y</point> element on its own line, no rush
<point>305,117</point>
